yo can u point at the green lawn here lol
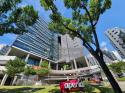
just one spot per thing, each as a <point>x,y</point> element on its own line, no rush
<point>47,89</point>
<point>26,89</point>
<point>121,79</point>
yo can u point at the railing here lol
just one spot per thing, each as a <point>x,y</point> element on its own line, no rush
<point>85,70</point>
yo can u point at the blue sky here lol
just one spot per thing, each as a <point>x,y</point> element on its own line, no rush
<point>115,17</point>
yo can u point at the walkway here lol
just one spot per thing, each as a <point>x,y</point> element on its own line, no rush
<point>122,85</point>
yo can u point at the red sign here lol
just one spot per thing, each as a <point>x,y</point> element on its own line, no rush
<point>71,86</point>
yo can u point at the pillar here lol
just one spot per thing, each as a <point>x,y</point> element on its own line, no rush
<point>75,64</point>
<point>26,60</point>
<point>67,78</point>
<point>57,66</point>
<point>14,80</point>
<point>27,57</point>
<point>22,75</point>
<point>87,61</point>
<point>49,66</point>
<point>8,52</point>
<point>4,79</point>
<point>40,61</point>
<point>77,72</point>
<point>72,65</point>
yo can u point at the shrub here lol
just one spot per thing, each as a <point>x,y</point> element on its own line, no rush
<point>15,66</point>
<point>44,64</point>
<point>42,71</point>
<point>29,71</point>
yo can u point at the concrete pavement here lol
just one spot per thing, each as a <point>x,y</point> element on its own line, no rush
<point>122,85</point>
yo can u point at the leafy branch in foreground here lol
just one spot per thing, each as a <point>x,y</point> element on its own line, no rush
<point>14,18</point>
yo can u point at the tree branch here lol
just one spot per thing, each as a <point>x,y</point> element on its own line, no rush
<point>93,27</point>
<point>85,43</point>
<point>83,39</point>
<point>97,20</point>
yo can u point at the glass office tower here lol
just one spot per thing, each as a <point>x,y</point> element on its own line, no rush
<point>39,40</point>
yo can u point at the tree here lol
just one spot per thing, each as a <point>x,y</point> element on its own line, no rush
<point>29,71</point>
<point>66,67</point>
<point>44,64</point>
<point>43,70</point>
<point>14,18</point>
<point>85,15</point>
<point>118,67</point>
<point>15,67</point>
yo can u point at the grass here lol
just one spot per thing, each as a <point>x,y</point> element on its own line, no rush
<point>121,79</point>
<point>26,89</point>
<point>46,89</point>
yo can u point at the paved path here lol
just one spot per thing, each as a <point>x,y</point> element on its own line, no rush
<point>122,85</point>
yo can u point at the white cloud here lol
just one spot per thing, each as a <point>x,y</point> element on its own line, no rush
<point>103,43</point>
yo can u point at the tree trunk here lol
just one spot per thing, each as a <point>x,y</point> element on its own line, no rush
<point>108,74</point>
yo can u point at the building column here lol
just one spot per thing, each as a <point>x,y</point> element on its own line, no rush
<point>26,60</point>
<point>4,79</point>
<point>40,61</point>
<point>22,76</point>
<point>75,64</point>
<point>67,78</point>
<point>8,52</point>
<point>72,65</point>
<point>27,57</point>
<point>49,66</point>
<point>87,62</point>
<point>57,66</point>
<point>14,80</point>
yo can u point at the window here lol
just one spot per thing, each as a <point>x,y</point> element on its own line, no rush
<point>115,32</point>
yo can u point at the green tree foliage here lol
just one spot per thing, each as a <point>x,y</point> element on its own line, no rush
<point>66,67</point>
<point>15,66</point>
<point>29,71</point>
<point>118,67</point>
<point>15,19</point>
<point>85,15</point>
<point>44,64</point>
<point>42,71</point>
<point>44,68</point>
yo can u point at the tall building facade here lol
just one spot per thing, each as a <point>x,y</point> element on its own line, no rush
<point>110,55</point>
<point>92,61</point>
<point>70,49</point>
<point>116,36</point>
<point>117,55</point>
<point>39,40</point>
<point>37,44</point>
